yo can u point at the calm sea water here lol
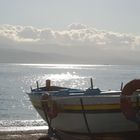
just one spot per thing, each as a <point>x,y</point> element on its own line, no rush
<point>16,79</point>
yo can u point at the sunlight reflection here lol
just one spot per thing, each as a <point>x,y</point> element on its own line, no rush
<point>62,66</point>
<point>61,77</point>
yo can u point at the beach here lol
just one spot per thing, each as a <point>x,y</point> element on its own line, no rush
<point>43,136</point>
<point>22,136</point>
<point>40,133</point>
<point>23,133</point>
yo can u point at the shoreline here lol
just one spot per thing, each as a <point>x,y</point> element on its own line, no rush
<point>23,133</point>
<point>33,136</point>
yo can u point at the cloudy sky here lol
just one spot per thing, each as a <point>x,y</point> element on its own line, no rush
<point>74,31</point>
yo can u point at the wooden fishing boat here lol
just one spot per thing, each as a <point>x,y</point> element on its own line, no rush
<point>89,111</point>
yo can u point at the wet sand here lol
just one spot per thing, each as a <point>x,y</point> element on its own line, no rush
<point>43,136</point>
<point>23,133</point>
<point>22,137</point>
<point>40,133</point>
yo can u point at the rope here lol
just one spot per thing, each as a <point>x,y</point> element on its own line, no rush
<point>85,118</point>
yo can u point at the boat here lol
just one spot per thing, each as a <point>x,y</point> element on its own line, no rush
<point>89,111</point>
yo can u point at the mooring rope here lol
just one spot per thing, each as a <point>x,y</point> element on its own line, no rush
<point>85,118</point>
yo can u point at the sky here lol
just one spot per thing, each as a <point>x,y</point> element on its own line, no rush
<point>89,31</point>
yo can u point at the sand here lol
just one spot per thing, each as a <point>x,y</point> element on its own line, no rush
<point>42,135</point>
<point>23,133</point>
<point>22,137</point>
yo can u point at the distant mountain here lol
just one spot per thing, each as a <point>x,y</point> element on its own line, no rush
<point>22,56</point>
<point>9,54</point>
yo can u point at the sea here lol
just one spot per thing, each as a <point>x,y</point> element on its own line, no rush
<point>16,80</point>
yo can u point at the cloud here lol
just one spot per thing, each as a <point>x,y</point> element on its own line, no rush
<point>79,40</point>
<point>76,26</point>
<point>28,33</point>
<point>75,35</point>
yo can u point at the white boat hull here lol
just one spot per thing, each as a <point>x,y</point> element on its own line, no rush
<point>102,112</point>
<point>98,123</point>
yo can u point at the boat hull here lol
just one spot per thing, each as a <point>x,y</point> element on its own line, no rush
<point>103,114</point>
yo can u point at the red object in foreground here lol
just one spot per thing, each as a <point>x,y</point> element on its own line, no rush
<point>130,112</point>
